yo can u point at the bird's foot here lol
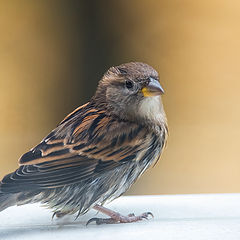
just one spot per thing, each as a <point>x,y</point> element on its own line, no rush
<point>116,217</point>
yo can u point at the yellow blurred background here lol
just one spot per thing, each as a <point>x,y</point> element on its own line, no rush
<point>52,53</point>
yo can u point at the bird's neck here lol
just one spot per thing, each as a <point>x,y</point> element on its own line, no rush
<point>151,110</point>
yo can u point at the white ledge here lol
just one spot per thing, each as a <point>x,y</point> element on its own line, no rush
<point>203,216</point>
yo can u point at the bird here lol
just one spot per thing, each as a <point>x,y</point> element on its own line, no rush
<point>98,151</point>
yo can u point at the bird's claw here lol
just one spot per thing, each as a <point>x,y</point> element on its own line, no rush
<point>53,215</point>
<point>92,220</point>
<point>147,214</point>
<point>121,219</point>
<point>100,221</point>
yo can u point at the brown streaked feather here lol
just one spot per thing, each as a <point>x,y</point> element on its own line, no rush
<point>97,143</point>
<point>70,115</point>
<point>84,124</point>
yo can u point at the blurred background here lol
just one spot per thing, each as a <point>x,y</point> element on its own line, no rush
<point>53,52</point>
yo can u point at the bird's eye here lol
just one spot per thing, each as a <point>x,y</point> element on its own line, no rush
<point>129,84</point>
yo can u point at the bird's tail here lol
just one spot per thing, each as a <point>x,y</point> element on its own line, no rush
<point>7,200</point>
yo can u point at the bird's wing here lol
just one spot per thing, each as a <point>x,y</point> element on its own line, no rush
<point>85,144</point>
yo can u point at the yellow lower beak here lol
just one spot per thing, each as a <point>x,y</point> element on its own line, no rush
<point>152,89</point>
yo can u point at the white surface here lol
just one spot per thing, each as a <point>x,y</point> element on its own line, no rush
<point>206,216</point>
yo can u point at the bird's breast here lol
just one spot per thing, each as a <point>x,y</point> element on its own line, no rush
<point>151,151</point>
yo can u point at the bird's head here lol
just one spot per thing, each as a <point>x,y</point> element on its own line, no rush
<point>131,91</point>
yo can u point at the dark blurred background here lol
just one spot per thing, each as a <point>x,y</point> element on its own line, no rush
<point>52,54</point>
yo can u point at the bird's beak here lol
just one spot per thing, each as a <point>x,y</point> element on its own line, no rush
<point>152,89</point>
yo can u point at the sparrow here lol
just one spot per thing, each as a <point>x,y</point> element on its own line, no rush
<point>96,152</point>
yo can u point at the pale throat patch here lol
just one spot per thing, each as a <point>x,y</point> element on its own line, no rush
<point>152,109</point>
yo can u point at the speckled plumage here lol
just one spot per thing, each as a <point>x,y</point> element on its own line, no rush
<point>98,151</point>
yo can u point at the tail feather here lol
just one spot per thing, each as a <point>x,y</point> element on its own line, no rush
<point>12,193</point>
<point>7,200</point>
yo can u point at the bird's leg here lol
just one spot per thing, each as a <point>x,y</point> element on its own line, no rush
<point>116,217</point>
